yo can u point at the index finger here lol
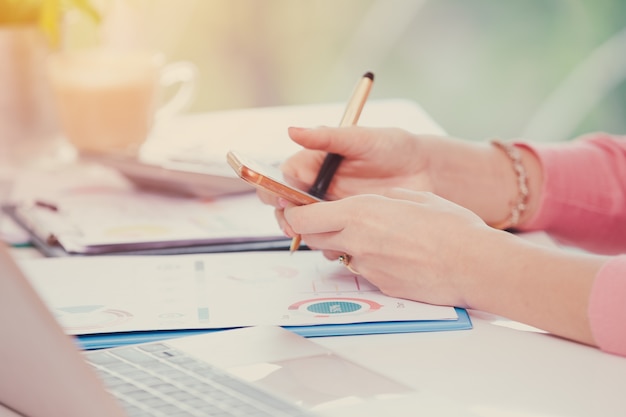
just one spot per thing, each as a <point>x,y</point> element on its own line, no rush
<point>345,141</point>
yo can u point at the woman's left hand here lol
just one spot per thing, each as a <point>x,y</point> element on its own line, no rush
<point>409,244</point>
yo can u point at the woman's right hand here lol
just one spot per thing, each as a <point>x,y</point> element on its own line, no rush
<point>374,160</point>
<point>475,175</point>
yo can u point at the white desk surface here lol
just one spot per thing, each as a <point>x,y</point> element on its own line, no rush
<point>493,369</point>
<point>496,370</point>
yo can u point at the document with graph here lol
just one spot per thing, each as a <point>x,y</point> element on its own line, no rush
<point>86,209</point>
<point>303,291</point>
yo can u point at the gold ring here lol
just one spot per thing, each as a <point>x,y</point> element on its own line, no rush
<point>345,260</point>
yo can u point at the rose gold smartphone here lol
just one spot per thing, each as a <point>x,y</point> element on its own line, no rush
<point>268,178</point>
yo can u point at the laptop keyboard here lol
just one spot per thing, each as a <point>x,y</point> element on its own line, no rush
<point>156,380</point>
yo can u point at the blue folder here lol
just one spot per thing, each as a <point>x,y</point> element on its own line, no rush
<point>108,340</point>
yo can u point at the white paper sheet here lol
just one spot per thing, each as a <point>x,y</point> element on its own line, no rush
<point>117,294</point>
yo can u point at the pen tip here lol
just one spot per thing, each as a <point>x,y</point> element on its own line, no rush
<point>369,75</point>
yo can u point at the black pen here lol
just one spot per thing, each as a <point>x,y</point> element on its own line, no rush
<point>332,160</point>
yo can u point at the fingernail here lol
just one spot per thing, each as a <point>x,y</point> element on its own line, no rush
<point>282,203</point>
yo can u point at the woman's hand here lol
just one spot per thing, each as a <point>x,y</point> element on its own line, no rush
<point>475,175</point>
<point>419,246</point>
<point>409,244</point>
<point>374,160</point>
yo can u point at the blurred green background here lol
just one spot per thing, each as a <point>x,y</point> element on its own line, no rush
<point>538,69</point>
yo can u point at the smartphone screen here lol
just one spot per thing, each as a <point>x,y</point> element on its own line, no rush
<point>269,178</point>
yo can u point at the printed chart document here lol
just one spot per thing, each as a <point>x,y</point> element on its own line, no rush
<point>305,291</point>
<point>90,210</point>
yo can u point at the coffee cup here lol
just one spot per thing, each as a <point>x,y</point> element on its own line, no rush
<point>108,101</point>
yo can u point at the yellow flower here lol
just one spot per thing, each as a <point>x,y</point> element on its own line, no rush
<point>46,13</point>
<point>19,11</point>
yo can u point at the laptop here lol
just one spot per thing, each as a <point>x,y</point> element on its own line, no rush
<point>254,371</point>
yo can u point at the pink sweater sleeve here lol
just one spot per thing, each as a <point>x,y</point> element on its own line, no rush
<point>583,199</point>
<point>584,203</point>
<point>607,306</point>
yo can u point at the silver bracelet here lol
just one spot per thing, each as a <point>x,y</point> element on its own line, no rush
<point>520,204</point>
